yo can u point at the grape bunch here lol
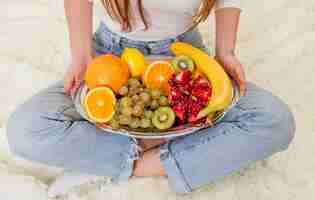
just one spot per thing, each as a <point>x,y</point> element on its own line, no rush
<point>136,105</point>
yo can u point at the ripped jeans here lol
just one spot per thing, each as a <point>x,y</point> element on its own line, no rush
<point>47,129</point>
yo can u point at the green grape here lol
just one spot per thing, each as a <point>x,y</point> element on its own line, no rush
<point>141,103</point>
<point>137,110</point>
<point>156,94</point>
<point>138,90</point>
<point>115,117</point>
<point>135,98</point>
<point>145,123</point>
<point>141,89</point>
<point>163,101</point>
<point>148,114</point>
<point>133,91</point>
<point>117,108</point>
<point>145,97</point>
<point>154,104</point>
<point>147,90</point>
<point>125,102</point>
<point>133,82</point>
<point>123,91</point>
<point>126,110</point>
<point>114,124</point>
<point>124,119</point>
<point>135,123</point>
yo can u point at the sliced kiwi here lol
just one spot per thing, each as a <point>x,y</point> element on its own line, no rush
<point>163,118</point>
<point>183,62</point>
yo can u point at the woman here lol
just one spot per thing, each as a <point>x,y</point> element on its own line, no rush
<point>47,129</point>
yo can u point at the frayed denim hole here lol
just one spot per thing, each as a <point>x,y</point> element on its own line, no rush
<point>132,154</point>
<point>128,157</point>
<point>164,151</point>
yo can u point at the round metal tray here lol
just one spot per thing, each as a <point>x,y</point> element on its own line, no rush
<point>153,133</point>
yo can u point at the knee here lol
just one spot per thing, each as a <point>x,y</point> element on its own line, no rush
<point>271,118</point>
<point>284,124</point>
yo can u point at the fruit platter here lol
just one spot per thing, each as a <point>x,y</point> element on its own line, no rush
<point>155,97</point>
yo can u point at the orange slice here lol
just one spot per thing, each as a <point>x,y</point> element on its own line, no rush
<point>100,104</point>
<point>157,74</point>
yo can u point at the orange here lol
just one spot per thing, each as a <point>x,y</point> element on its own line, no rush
<point>100,104</point>
<point>107,70</point>
<point>157,74</point>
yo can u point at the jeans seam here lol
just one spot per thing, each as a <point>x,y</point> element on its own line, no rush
<point>165,154</point>
<point>182,174</point>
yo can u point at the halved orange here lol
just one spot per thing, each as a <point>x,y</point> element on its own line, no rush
<point>157,74</point>
<point>100,104</point>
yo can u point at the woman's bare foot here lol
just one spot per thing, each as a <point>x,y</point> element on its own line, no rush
<point>149,164</point>
<point>147,144</point>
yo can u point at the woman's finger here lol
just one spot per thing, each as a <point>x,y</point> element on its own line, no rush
<point>241,82</point>
<point>235,69</point>
<point>242,86</point>
<point>76,85</point>
<point>69,82</point>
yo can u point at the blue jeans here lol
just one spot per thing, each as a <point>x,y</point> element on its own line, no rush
<point>47,129</point>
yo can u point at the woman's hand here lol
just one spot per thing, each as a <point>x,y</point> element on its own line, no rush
<point>227,20</point>
<point>79,15</point>
<point>234,68</point>
<point>75,75</point>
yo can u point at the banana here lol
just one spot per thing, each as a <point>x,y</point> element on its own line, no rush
<point>222,90</point>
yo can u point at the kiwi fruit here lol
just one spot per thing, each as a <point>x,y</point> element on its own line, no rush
<point>163,118</point>
<point>181,63</point>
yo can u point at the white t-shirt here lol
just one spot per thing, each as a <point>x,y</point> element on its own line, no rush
<point>166,18</point>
